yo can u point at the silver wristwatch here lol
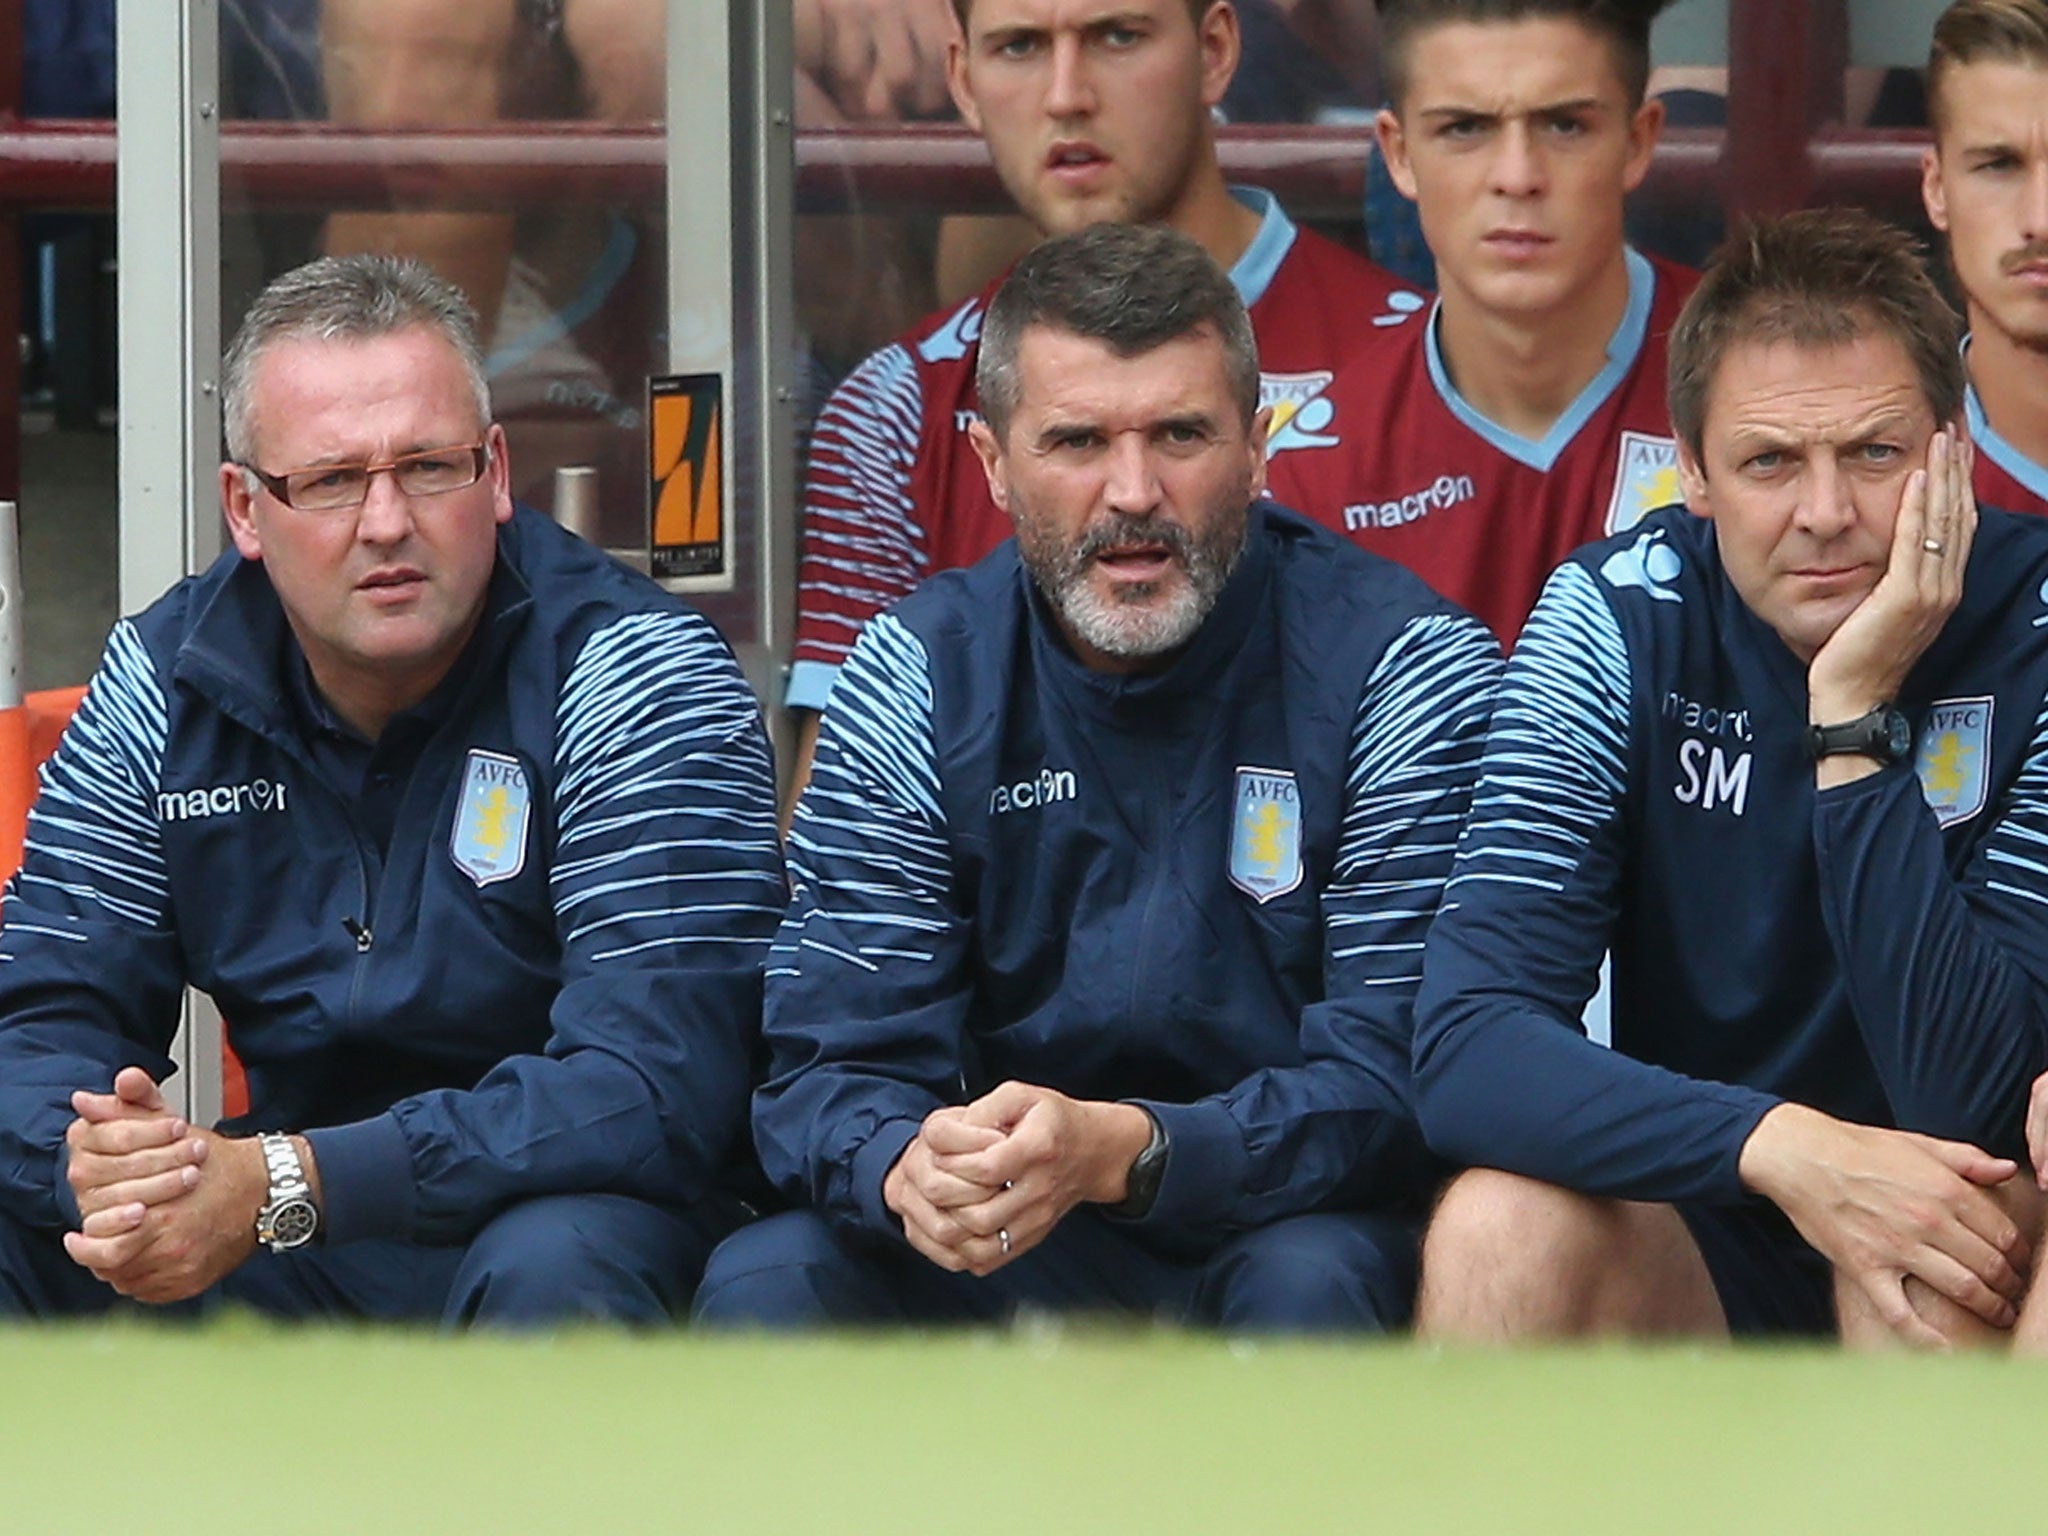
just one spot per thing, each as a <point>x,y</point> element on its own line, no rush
<point>289,1218</point>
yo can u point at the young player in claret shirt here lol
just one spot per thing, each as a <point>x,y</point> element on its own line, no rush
<point>1523,414</point>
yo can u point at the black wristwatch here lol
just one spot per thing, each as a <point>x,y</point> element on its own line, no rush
<point>1141,1186</point>
<point>1885,735</point>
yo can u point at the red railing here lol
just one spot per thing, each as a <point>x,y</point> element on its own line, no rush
<point>1318,172</point>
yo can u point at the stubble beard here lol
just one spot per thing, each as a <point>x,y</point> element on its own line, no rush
<point>1136,621</point>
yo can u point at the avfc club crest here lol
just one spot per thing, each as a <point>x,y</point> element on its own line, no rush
<point>1954,758</point>
<point>1645,478</point>
<point>1302,414</point>
<point>491,818</point>
<point>1265,834</point>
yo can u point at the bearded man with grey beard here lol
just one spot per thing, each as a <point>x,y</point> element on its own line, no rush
<point>1138,618</point>
<point>1110,884</point>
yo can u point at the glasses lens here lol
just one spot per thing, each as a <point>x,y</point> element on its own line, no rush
<point>429,474</point>
<point>327,490</point>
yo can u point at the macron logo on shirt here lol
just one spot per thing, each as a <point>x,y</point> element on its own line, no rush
<point>1048,787</point>
<point>1440,495</point>
<point>219,800</point>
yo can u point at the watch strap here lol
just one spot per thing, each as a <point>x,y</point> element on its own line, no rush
<point>281,1161</point>
<point>1148,1169</point>
<point>1882,733</point>
<point>290,1197</point>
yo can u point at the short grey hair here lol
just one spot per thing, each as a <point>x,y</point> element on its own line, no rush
<point>345,298</point>
<point>1132,287</point>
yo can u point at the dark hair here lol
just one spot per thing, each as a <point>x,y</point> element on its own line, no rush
<point>1624,23</point>
<point>1197,9</point>
<point>1133,287</point>
<point>1819,278</point>
<point>1980,32</point>
<point>345,298</point>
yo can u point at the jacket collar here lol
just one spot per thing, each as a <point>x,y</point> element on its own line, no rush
<point>1215,645</point>
<point>238,652</point>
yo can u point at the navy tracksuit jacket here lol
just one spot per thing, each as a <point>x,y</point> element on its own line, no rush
<point>1204,889</point>
<point>1878,950</point>
<point>545,980</point>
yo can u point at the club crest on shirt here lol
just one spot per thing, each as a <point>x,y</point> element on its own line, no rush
<point>1301,412</point>
<point>1645,478</point>
<point>1265,833</point>
<point>1954,756</point>
<point>491,817</point>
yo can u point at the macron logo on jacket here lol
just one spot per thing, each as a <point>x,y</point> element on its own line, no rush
<point>1050,786</point>
<point>220,800</point>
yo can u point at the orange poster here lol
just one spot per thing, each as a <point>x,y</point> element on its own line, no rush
<point>684,413</point>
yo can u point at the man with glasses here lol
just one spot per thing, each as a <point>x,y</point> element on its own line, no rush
<point>468,830</point>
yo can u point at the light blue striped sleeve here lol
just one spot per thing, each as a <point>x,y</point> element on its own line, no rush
<point>1532,887</point>
<point>1505,1076</point>
<point>666,836</point>
<point>90,975</point>
<point>867,994</point>
<point>667,885</point>
<point>1340,1128</point>
<point>1414,758</point>
<point>1556,752</point>
<point>95,845</point>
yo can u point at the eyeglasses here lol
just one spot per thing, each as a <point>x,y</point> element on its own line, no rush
<point>344,487</point>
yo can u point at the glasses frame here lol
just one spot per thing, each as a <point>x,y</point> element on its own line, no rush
<point>275,484</point>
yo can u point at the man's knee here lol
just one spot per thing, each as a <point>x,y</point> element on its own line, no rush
<point>1864,1327</point>
<point>1511,1257</point>
<point>1493,1221</point>
<point>561,1258</point>
<point>789,1271</point>
<point>1325,1273</point>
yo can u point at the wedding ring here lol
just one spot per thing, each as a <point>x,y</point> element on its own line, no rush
<point>1934,546</point>
<point>1003,1237</point>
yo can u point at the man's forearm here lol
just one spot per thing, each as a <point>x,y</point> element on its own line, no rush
<point>1537,1098</point>
<point>1953,1022</point>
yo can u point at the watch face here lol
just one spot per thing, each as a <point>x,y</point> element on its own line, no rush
<point>1898,735</point>
<point>292,1224</point>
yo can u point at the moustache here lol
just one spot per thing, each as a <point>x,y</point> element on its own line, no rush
<point>1122,531</point>
<point>2032,254</point>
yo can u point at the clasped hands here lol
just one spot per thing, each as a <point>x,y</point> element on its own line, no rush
<point>983,1183</point>
<point>168,1208</point>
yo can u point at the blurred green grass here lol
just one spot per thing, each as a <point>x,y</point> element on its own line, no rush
<point>247,1427</point>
